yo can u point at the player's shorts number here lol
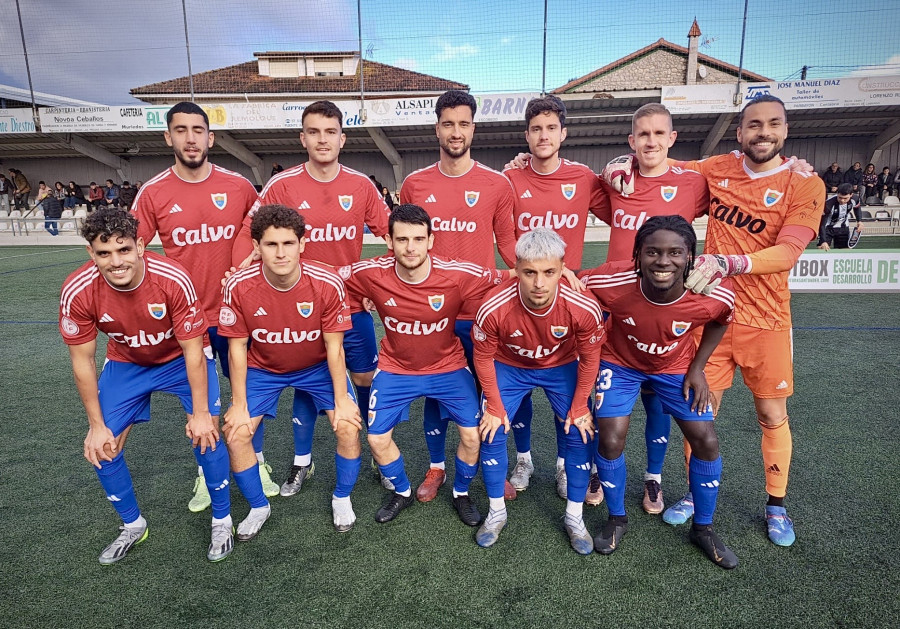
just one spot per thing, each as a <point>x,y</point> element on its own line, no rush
<point>604,379</point>
<point>372,398</point>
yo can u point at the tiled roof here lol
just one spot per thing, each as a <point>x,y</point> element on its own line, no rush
<point>244,78</point>
<point>660,44</point>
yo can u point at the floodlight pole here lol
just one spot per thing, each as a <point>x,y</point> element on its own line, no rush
<point>362,81</point>
<point>34,113</point>
<point>544,60</point>
<point>187,43</point>
<point>737,90</point>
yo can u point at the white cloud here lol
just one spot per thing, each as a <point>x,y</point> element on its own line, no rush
<point>450,52</point>
<point>889,67</point>
<point>506,41</point>
<point>406,63</point>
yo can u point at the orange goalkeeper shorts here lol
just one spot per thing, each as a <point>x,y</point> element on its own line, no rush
<point>766,359</point>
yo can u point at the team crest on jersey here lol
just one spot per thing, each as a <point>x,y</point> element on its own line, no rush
<point>69,327</point>
<point>227,316</point>
<point>219,199</point>
<point>346,201</point>
<point>344,272</point>
<point>472,198</point>
<point>305,308</point>
<point>772,197</point>
<point>568,190</point>
<point>680,327</point>
<point>478,333</point>
<point>157,311</point>
<point>668,192</point>
<point>436,302</point>
<point>558,331</point>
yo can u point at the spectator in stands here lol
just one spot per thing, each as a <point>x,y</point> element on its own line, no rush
<point>834,229</point>
<point>833,177</point>
<point>74,196</point>
<point>6,188</point>
<point>96,197</point>
<point>897,182</point>
<point>276,168</point>
<point>126,195</point>
<point>21,189</point>
<point>43,193</point>
<point>387,197</point>
<point>885,183</point>
<point>59,191</point>
<point>853,176</point>
<point>869,182</point>
<point>111,194</point>
<point>52,211</point>
<point>138,184</point>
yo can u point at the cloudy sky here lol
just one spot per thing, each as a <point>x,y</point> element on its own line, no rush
<point>97,50</point>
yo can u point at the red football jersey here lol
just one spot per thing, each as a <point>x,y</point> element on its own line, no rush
<point>467,213</point>
<point>419,318</point>
<point>334,211</point>
<point>506,330</point>
<point>197,224</point>
<point>144,324</point>
<point>647,336</point>
<point>559,201</point>
<point>285,326</point>
<point>677,191</point>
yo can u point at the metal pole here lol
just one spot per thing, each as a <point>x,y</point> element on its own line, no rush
<point>544,60</point>
<point>362,81</point>
<point>187,43</point>
<point>737,90</point>
<point>34,113</point>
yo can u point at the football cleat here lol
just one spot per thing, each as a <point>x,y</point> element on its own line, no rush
<point>680,512</point>
<point>780,526</point>
<point>713,547</point>
<point>392,508</point>
<point>562,483</point>
<point>653,499</point>
<point>467,510</point>
<point>608,541</point>
<point>270,487</point>
<point>295,480</point>
<point>595,491</point>
<point>521,474</point>
<point>221,542</point>
<point>201,499</point>
<point>434,478</point>
<point>489,532</point>
<point>252,524</point>
<point>130,536</point>
<point>578,536</point>
<point>342,514</point>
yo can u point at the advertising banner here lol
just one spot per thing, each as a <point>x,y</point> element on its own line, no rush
<point>16,121</point>
<point>846,271</point>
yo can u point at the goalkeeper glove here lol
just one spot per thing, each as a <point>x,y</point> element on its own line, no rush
<point>710,269</point>
<point>619,174</point>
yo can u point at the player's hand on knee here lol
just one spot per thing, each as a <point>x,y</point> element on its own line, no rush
<point>490,424</point>
<point>345,411</point>
<point>237,417</point>
<point>584,424</point>
<point>202,431</point>
<point>695,379</point>
<point>99,445</point>
<point>619,174</point>
<point>518,162</point>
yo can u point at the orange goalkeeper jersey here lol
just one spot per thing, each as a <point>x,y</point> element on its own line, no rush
<point>747,211</point>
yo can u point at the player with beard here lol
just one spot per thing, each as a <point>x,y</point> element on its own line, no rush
<point>470,207</point>
<point>197,208</point>
<point>418,296</point>
<point>764,210</point>
<point>147,305</point>
<point>336,203</point>
<point>648,346</point>
<point>658,190</point>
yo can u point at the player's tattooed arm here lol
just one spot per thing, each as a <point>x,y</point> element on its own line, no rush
<point>584,424</point>
<point>694,379</point>
<point>200,428</point>
<point>99,444</point>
